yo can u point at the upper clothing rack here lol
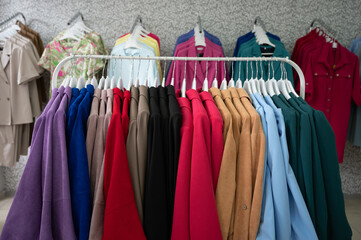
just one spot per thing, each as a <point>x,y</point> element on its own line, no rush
<point>160,58</point>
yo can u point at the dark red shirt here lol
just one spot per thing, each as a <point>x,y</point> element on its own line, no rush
<point>332,83</point>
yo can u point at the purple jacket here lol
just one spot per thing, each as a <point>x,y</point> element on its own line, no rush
<point>41,208</point>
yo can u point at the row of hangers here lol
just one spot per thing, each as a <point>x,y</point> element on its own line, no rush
<point>270,86</point>
<point>324,30</point>
<point>9,27</point>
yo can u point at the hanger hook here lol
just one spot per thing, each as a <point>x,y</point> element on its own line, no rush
<point>232,66</point>
<point>224,66</point>
<point>147,76</point>
<point>252,69</point>
<point>239,70</point>
<point>269,70</point>
<point>260,64</point>
<point>105,63</point>
<point>185,68</point>
<point>256,69</point>
<point>174,64</point>
<point>165,66</point>
<point>206,70</point>
<point>215,76</point>
<point>139,60</point>
<point>273,71</point>
<point>195,69</point>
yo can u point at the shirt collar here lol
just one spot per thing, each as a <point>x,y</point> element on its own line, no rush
<point>326,51</point>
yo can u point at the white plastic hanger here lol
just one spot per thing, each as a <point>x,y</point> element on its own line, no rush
<point>246,84</point>
<point>224,81</point>
<point>9,32</point>
<point>172,80</point>
<point>271,84</point>
<point>215,81</point>
<point>239,81</point>
<point>289,85</point>
<point>102,79</point>
<point>194,82</point>
<point>156,81</point>
<point>281,84</point>
<point>76,31</point>
<point>163,80</point>
<point>199,34</point>
<point>130,83</point>
<point>133,40</point>
<point>205,82</point>
<point>268,84</point>
<point>108,79</point>
<point>261,36</point>
<point>147,82</point>
<point>183,87</point>
<point>252,81</point>
<point>94,81</point>
<point>73,79</point>
<point>113,81</point>
<point>262,82</point>
<point>231,82</point>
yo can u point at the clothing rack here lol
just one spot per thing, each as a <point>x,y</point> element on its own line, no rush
<point>226,59</point>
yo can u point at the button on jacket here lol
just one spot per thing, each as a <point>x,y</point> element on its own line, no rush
<point>203,217</point>
<point>132,152</point>
<point>156,215</point>
<point>216,121</point>
<point>121,219</point>
<point>258,145</point>
<point>97,173</point>
<point>226,185</point>
<point>79,170</point>
<point>181,223</point>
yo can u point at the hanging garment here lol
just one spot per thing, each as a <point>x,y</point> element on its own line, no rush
<point>203,215</point>
<point>175,124</point>
<point>216,121</point>
<point>20,102</point>
<point>354,127</point>
<point>105,114</point>
<point>226,185</point>
<point>132,151</point>
<point>156,215</point>
<point>142,138</point>
<point>258,145</point>
<point>58,49</point>
<point>252,49</point>
<point>45,211</point>
<point>144,71</point>
<point>181,223</point>
<point>328,70</point>
<point>78,168</point>
<point>330,170</point>
<point>121,219</point>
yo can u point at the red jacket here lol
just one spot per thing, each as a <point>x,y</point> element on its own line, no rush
<point>203,216</point>
<point>180,228</point>
<point>121,219</point>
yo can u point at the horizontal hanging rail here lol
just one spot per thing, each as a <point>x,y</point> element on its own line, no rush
<point>227,59</point>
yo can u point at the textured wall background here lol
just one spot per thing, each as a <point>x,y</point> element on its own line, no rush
<point>228,20</point>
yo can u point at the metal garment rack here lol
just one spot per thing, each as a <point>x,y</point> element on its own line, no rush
<point>226,59</point>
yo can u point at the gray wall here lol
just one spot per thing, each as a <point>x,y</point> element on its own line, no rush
<point>228,20</point>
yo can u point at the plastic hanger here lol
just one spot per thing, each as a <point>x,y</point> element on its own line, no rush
<point>224,81</point>
<point>133,41</point>
<point>289,85</point>
<point>261,36</point>
<point>246,84</point>
<point>76,31</point>
<point>94,81</point>
<point>262,82</point>
<point>239,81</point>
<point>108,79</point>
<point>194,82</point>
<point>165,66</point>
<point>172,80</point>
<point>113,81</point>
<point>130,83</point>
<point>231,82</point>
<point>199,34</point>
<point>268,84</point>
<point>281,84</point>
<point>215,81</point>
<point>252,81</point>
<point>67,77</point>
<point>271,84</point>
<point>102,79</point>
<point>156,81</point>
<point>9,32</point>
<point>73,79</point>
<point>183,87</point>
<point>205,82</point>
